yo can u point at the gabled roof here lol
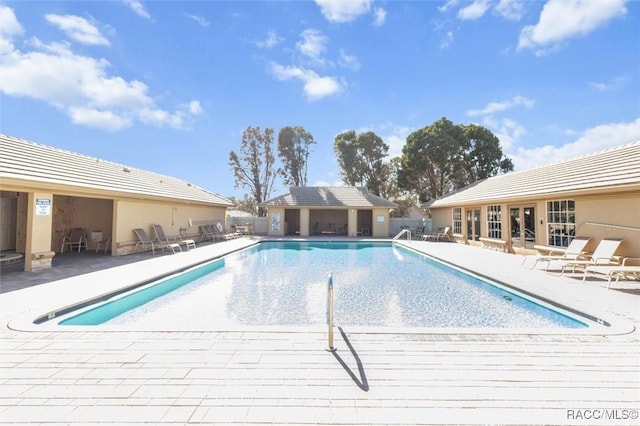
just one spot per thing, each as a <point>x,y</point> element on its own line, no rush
<point>325,196</point>
<point>615,169</point>
<point>30,164</point>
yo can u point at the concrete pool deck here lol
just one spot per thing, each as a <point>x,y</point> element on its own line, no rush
<point>287,376</point>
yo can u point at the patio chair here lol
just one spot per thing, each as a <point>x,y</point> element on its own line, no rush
<point>604,254</point>
<point>76,238</point>
<point>574,251</point>
<point>146,242</point>
<point>438,234</point>
<point>162,237</point>
<point>623,270</point>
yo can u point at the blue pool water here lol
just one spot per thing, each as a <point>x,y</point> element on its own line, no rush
<point>285,283</point>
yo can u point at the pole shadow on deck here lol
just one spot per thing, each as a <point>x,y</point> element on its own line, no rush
<point>360,381</point>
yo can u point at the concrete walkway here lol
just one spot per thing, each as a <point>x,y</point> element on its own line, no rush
<point>286,376</point>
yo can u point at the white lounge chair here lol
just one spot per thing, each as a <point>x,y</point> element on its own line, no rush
<point>623,270</point>
<point>604,254</point>
<point>162,237</point>
<point>146,242</point>
<point>219,232</point>
<point>438,234</point>
<point>574,251</point>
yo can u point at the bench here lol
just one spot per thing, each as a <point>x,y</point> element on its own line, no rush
<point>493,244</point>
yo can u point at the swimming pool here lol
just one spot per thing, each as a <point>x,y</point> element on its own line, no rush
<point>378,284</point>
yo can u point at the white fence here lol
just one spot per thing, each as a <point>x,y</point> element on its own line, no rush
<point>396,224</point>
<point>259,223</point>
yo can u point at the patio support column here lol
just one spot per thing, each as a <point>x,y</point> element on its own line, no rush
<point>352,222</point>
<point>304,222</point>
<point>38,251</point>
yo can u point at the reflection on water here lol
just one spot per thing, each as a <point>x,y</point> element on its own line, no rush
<point>285,283</point>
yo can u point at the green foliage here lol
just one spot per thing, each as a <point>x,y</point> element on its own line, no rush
<point>361,160</point>
<point>253,167</point>
<point>293,151</point>
<point>404,206</point>
<point>443,157</point>
<point>247,204</point>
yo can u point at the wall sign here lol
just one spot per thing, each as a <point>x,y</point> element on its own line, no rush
<point>43,206</point>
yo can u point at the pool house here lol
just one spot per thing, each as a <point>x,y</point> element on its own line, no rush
<point>595,195</point>
<point>328,211</point>
<point>47,192</point>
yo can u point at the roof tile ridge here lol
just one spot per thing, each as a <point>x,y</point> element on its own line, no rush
<point>125,167</point>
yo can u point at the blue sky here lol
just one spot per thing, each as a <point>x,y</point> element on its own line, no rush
<point>169,86</point>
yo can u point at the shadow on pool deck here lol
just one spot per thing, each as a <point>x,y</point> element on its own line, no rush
<point>65,265</point>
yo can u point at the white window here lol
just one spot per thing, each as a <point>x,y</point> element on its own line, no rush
<point>561,222</point>
<point>494,222</point>
<point>457,220</point>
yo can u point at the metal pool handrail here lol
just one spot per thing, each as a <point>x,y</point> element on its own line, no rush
<point>330,346</point>
<point>404,231</point>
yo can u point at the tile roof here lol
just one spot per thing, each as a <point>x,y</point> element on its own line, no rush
<point>24,161</point>
<point>611,169</point>
<point>324,196</point>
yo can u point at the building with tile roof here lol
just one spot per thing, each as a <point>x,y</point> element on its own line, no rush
<point>319,210</point>
<point>45,192</point>
<point>596,195</point>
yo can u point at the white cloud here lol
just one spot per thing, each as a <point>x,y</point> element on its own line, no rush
<point>474,11</point>
<point>105,120</point>
<point>446,40</point>
<point>494,107</point>
<point>508,132</point>
<point>138,8</point>
<point>564,19</point>
<point>200,20</point>
<point>449,4</point>
<point>271,41</point>
<point>341,11</point>
<point>10,26</point>
<point>315,86</point>
<point>380,17</point>
<point>396,137</point>
<point>512,10</point>
<point>78,29</point>
<point>9,29</point>
<point>609,86</point>
<point>82,87</point>
<point>349,61</point>
<point>591,140</point>
<point>313,45</point>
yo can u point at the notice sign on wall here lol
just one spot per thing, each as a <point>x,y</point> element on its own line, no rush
<point>43,206</point>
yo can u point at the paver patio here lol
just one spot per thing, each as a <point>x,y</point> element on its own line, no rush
<point>285,376</point>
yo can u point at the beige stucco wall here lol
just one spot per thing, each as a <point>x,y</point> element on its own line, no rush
<point>130,214</point>
<point>615,210</point>
<point>380,228</point>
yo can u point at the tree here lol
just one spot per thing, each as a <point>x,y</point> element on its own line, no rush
<point>361,160</point>
<point>443,157</point>
<point>254,167</point>
<point>247,204</point>
<point>293,150</point>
